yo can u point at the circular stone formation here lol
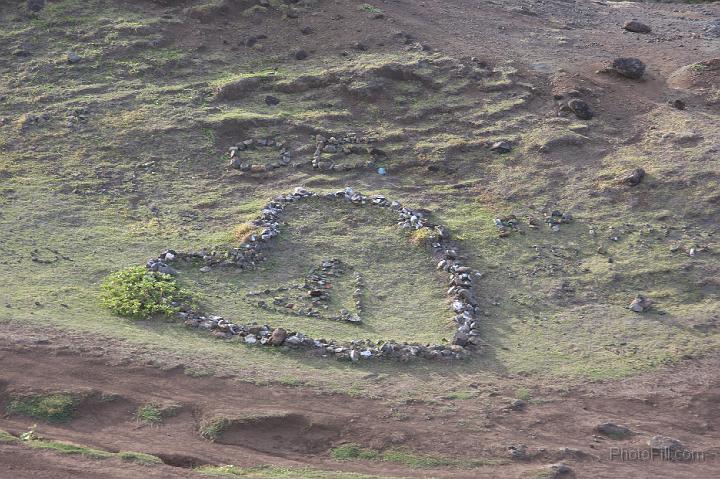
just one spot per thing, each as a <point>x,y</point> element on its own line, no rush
<point>249,254</point>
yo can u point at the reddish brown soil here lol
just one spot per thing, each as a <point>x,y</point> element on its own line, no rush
<point>295,427</point>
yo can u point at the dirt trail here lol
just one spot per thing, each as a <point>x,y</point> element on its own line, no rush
<point>272,422</point>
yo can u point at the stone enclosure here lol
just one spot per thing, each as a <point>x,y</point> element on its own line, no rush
<point>255,250</point>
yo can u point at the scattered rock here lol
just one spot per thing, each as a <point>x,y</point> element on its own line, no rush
<point>636,27</point>
<point>360,46</point>
<point>633,178</point>
<point>640,304</point>
<point>517,451</point>
<point>613,430</point>
<point>272,100</point>
<point>580,108</point>
<point>665,443</point>
<point>307,30</point>
<point>632,68</point>
<point>300,55</point>
<point>73,58</point>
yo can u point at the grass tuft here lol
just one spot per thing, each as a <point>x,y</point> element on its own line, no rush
<point>56,407</point>
<point>139,457</point>
<point>398,456</point>
<point>213,428</point>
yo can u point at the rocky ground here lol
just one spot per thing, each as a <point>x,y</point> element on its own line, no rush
<point>569,149</point>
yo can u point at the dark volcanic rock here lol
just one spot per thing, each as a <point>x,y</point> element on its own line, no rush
<point>631,68</point>
<point>633,178</point>
<point>301,55</point>
<point>636,27</point>
<point>35,5</point>
<point>581,109</point>
<point>679,104</point>
<point>272,100</point>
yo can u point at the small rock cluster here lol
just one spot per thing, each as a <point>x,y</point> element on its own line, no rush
<point>314,294</point>
<point>337,147</point>
<point>506,225</point>
<point>237,162</point>
<point>460,282</point>
<point>557,218</point>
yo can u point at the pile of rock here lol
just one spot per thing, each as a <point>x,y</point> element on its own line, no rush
<point>557,218</point>
<point>460,281</point>
<point>329,151</point>
<point>313,295</point>
<point>239,163</point>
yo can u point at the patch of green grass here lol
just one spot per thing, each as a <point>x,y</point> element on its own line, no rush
<point>274,472</point>
<point>69,448</point>
<point>353,451</point>
<point>366,7</point>
<point>153,413</point>
<point>398,456</point>
<point>55,407</point>
<point>422,461</point>
<point>523,393</point>
<point>139,457</point>
<point>7,437</point>
<point>462,395</point>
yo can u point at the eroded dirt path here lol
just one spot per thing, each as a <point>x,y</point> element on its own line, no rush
<point>298,426</point>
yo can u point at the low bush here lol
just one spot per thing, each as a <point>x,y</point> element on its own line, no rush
<point>139,294</point>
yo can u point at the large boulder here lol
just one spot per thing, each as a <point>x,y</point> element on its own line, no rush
<point>636,27</point>
<point>632,68</point>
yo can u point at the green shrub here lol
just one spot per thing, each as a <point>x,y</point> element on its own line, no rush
<point>50,407</point>
<point>139,294</point>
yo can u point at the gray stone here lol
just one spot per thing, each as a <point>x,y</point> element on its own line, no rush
<point>501,147</point>
<point>714,29</point>
<point>665,442</point>
<point>561,471</point>
<point>300,55</point>
<point>640,304</point>
<point>73,58</point>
